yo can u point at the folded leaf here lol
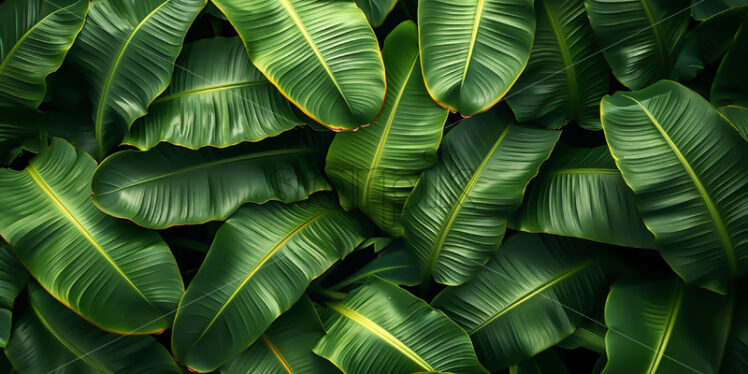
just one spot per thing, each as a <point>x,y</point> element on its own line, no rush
<point>376,167</point>
<point>531,295</point>
<point>170,185</point>
<point>322,55</point>
<point>581,193</point>
<point>473,51</point>
<point>456,216</point>
<point>687,169</point>
<point>381,328</point>
<point>376,10</point>
<point>260,262</point>
<point>13,277</point>
<point>728,87</point>
<point>35,36</point>
<point>216,98</point>
<point>116,275</point>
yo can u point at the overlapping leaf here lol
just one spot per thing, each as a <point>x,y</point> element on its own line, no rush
<point>376,10</point>
<point>13,278</point>
<point>728,86</point>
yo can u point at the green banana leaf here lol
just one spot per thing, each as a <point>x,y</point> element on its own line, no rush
<point>665,326</point>
<point>376,167</point>
<point>707,42</point>
<point>531,295</point>
<point>376,10</point>
<point>566,75</point>
<point>473,51</point>
<point>393,264</point>
<point>728,87</point>
<point>260,262</point>
<point>286,346</point>
<point>50,338</point>
<point>687,169</point>
<point>35,36</point>
<point>590,334</point>
<point>734,360</point>
<point>379,243</point>
<point>116,275</point>
<point>126,52</point>
<point>457,214</point>
<point>169,185</point>
<point>322,55</point>
<point>738,118</point>
<point>639,38</point>
<point>703,9</point>
<point>547,362</point>
<point>13,278</point>
<point>216,98</point>
<point>581,193</point>
<point>381,328</point>
<point>17,126</point>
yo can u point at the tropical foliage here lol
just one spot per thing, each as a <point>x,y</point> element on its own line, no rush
<point>374,186</point>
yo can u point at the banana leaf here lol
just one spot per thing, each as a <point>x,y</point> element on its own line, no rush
<point>702,10</point>
<point>376,10</point>
<point>738,118</point>
<point>728,87</point>
<point>13,277</point>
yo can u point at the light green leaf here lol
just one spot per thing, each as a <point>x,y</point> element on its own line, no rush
<point>35,36</point>
<point>456,216</point>
<point>639,38</point>
<point>473,51</point>
<point>728,87</point>
<point>376,10</point>
<point>13,277</point>
<point>566,75</point>
<point>169,185</point>
<point>376,167</point>
<point>260,262</point>
<point>381,328</point>
<point>687,169</point>
<point>581,193</point>
<point>322,55</point>
<point>118,276</point>
<point>126,52</point>
<point>531,295</point>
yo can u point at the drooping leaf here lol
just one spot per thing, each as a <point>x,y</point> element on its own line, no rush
<point>35,36</point>
<point>729,86</point>
<point>687,169</point>
<point>50,338</point>
<point>703,9</point>
<point>473,51</point>
<point>118,276</point>
<point>381,328</point>
<point>664,326</point>
<point>566,75</point>
<point>169,185</point>
<point>286,346</point>
<point>547,362</point>
<point>260,262</point>
<point>639,38</point>
<point>126,52</point>
<point>737,116</point>
<point>393,264</point>
<point>456,216</point>
<point>707,42</point>
<point>376,167</point>
<point>376,10</point>
<point>531,295</point>
<point>13,278</point>
<point>216,98</point>
<point>581,193</point>
<point>322,55</point>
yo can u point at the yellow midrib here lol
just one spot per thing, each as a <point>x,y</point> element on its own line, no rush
<point>49,192</point>
<point>381,333</point>
<point>204,90</point>
<point>365,195</point>
<point>276,353</point>
<point>473,36</point>
<point>672,317</point>
<point>716,218</point>
<point>566,56</point>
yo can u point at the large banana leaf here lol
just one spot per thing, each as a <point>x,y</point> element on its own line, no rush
<point>118,276</point>
<point>687,169</point>
<point>639,38</point>
<point>376,167</point>
<point>50,338</point>
<point>260,262</point>
<point>322,55</point>
<point>665,327</point>
<point>376,10</point>
<point>456,215</point>
<point>381,328</point>
<point>473,51</point>
<point>216,98</point>
<point>566,75</point>
<point>126,52</point>
<point>703,9</point>
<point>35,36</point>
<point>13,278</point>
<point>286,346</point>
<point>169,185</point>
<point>547,362</point>
<point>394,264</point>
<point>530,296</point>
<point>581,193</point>
<point>729,85</point>
<point>738,118</point>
